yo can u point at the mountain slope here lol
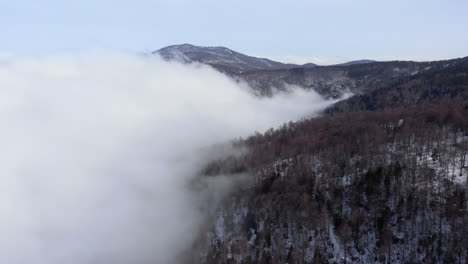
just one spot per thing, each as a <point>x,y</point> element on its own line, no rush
<point>266,76</point>
<point>221,58</point>
<point>363,187</point>
<point>441,80</point>
<point>355,62</point>
<point>381,178</point>
<point>334,81</point>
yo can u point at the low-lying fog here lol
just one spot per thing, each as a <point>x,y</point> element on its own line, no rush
<point>96,152</point>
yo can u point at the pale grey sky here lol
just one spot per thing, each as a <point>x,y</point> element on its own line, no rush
<point>321,31</point>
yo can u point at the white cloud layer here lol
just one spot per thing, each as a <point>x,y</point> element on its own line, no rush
<point>97,151</point>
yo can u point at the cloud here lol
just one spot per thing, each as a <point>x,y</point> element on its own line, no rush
<point>98,150</point>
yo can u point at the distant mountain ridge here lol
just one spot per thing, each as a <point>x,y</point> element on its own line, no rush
<point>355,62</point>
<point>221,58</point>
<point>435,82</point>
<point>265,76</point>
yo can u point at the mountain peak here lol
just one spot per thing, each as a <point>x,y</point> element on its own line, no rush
<point>221,58</point>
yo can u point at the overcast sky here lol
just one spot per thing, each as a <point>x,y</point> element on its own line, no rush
<point>321,31</point>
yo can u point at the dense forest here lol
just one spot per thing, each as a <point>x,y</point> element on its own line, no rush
<point>432,85</point>
<point>386,186</point>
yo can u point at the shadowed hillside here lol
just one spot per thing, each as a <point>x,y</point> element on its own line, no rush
<point>364,187</point>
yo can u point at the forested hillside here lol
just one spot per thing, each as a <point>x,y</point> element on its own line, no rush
<point>357,78</point>
<point>385,186</point>
<point>380,178</point>
<point>432,85</point>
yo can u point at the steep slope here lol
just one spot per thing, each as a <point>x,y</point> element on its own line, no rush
<point>221,58</point>
<point>362,187</point>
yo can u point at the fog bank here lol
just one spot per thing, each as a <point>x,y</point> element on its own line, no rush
<point>97,151</point>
